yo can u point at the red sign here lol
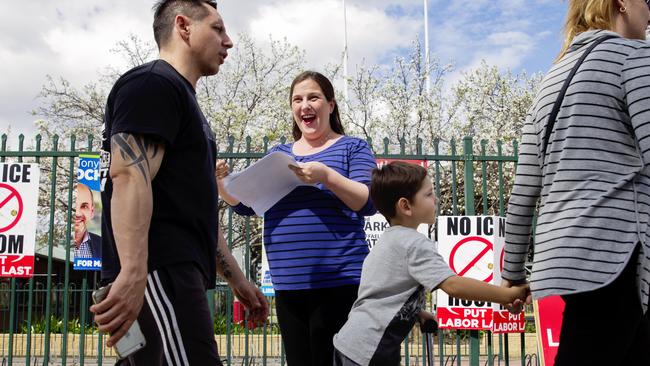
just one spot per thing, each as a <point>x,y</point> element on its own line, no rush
<point>464,318</point>
<point>548,321</point>
<point>16,265</point>
<point>504,321</point>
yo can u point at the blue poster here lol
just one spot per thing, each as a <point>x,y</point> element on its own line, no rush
<point>87,242</point>
<point>88,171</point>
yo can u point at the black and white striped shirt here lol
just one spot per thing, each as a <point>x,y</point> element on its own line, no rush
<point>593,185</point>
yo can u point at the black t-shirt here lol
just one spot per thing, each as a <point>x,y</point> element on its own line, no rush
<point>155,100</point>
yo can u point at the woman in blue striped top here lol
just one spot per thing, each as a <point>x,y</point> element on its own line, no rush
<point>314,236</point>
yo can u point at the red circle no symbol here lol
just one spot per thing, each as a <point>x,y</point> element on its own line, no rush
<point>503,252</point>
<point>452,255</point>
<point>13,195</point>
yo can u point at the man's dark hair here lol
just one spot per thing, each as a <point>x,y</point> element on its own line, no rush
<point>166,10</point>
<point>394,181</point>
<point>328,91</point>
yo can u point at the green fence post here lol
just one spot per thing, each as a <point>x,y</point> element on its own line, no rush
<point>12,319</point>
<point>458,360</point>
<point>247,265</point>
<point>12,311</point>
<point>441,347</point>
<point>502,211</point>
<point>468,159</point>
<point>454,185</point>
<point>30,297</point>
<point>506,349</point>
<point>264,337</point>
<point>50,247</point>
<point>82,321</point>
<point>484,192</point>
<point>66,302</point>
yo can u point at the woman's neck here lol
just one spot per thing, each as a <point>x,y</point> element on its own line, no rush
<point>319,141</point>
<point>306,146</point>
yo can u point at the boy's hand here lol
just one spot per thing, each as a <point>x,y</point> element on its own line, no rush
<point>520,295</point>
<point>425,315</point>
<point>428,322</point>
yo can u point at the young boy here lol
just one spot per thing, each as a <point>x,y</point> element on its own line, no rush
<point>398,270</point>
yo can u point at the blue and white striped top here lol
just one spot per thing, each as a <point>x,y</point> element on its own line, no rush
<point>312,239</point>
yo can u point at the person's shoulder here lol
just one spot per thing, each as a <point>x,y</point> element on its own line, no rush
<point>624,48</point>
<point>403,236</point>
<point>628,43</point>
<point>355,145</point>
<point>285,148</point>
<point>353,141</point>
<point>154,75</point>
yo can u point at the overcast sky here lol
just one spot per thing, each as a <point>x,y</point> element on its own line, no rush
<point>72,38</point>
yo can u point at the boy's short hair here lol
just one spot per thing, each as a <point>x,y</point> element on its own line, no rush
<point>392,182</point>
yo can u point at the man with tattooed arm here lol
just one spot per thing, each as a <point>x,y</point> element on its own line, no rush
<point>161,240</point>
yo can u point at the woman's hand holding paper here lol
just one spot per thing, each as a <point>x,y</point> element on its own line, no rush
<point>311,172</point>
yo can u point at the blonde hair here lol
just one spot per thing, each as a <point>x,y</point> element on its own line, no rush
<point>584,15</point>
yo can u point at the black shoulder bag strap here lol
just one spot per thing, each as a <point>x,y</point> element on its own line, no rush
<point>558,102</point>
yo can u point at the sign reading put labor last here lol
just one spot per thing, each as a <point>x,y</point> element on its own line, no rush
<point>18,206</point>
<point>467,245</point>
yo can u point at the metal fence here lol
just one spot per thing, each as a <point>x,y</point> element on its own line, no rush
<point>45,320</point>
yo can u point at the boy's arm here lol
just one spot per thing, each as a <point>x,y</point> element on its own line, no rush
<point>471,289</point>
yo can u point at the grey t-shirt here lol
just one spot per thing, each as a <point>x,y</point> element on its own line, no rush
<point>401,266</point>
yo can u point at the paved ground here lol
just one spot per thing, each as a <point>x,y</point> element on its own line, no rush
<point>254,362</point>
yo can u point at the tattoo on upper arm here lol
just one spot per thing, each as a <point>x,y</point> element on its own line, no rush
<point>137,151</point>
<point>221,263</point>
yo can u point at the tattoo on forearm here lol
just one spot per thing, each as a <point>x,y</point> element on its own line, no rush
<point>136,151</point>
<point>221,263</point>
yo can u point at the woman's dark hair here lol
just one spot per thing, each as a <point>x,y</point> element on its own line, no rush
<point>328,91</point>
<point>394,181</point>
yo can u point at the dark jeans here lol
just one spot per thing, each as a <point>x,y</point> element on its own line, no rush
<point>606,326</point>
<point>309,319</point>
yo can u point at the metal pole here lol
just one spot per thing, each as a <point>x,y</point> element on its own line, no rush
<point>345,57</point>
<point>468,159</point>
<point>426,45</point>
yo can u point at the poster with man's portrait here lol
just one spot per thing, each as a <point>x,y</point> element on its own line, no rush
<point>86,241</point>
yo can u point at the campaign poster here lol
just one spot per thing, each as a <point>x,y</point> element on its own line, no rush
<point>87,242</point>
<point>473,246</point>
<point>267,283</point>
<point>18,213</point>
<point>548,324</point>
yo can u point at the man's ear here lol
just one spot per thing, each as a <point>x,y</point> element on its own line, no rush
<point>404,206</point>
<point>182,26</point>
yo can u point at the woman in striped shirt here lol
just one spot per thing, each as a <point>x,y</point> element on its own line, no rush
<point>590,176</point>
<point>314,237</point>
